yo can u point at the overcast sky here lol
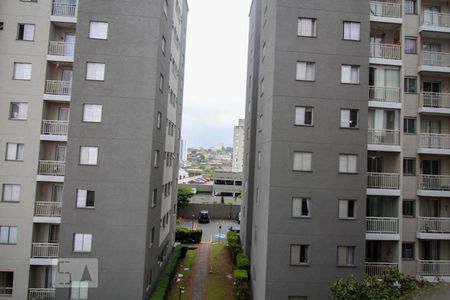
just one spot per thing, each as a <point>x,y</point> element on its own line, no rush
<point>216,69</point>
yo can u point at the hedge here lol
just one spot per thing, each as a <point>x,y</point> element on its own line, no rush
<point>243,262</point>
<point>164,281</point>
<point>240,276</point>
<point>234,243</point>
<point>188,236</point>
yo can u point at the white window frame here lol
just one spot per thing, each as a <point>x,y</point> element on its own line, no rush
<point>28,32</point>
<point>302,161</point>
<point>8,235</point>
<point>79,290</point>
<point>297,207</point>
<point>295,261</point>
<point>345,118</point>
<point>156,159</point>
<point>92,113</point>
<point>95,71</point>
<point>25,72</point>
<point>89,155</point>
<point>300,115</point>
<point>82,243</point>
<point>350,74</point>
<point>15,151</point>
<point>11,192</point>
<point>22,113</point>
<point>349,253</point>
<point>343,209</point>
<point>346,162</point>
<point>352,31</point>
<point>82,197</point>
<point>98,30</point>
<point>307,30</point>
<point>306,71</point>
<point>7,291</point>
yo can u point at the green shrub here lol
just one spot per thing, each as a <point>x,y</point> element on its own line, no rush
<point>243,291</point>
<point>240,276</point>
<point>164,281</point>
<point>234,243</point>
<point>243,261</point>
<point>183,251</point>
<point>188,236</point>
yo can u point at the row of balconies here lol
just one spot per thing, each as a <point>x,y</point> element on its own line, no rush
<point>389,225</point>
<point>391,181</point>
<point>431,268</point>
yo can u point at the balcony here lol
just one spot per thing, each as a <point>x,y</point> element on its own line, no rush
<point>432,143</point>
<point>385,54</point>
<point>435,103</point>
<point>41,294</point>
<point>384,97</point>
<point>434,22</point>
<point>51,171</point>
<point>383,140</point>
<point>433,228</point>
<point>434,268</point>
<point>382,228</point>
<point>377,269</point>
<point>436,62</point>
<point>54,130</point>
<point>44,254</point>
<point>386,12</point>
<point>57,90</point>
<point>434,186</point>
<point>47,212</point>
<point>60,51</point>
<point>64,12</point>
<point>383,184</point>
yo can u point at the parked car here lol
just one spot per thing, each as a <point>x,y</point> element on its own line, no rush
<point>203,216</point>
<point>235,229</point>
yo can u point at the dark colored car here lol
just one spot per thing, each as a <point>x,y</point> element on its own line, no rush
<point>203,216</point>
<point>236,229</point>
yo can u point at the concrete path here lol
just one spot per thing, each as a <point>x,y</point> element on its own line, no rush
<point>200,277</point>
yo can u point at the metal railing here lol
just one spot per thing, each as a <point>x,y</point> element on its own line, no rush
<point>61,48</point>
<point>388,181</point>
<point>434,140</point>
<point>48,209</point>
<point>44,250</point>
<point>385,9</point>
<point>41,294</point>
<point>386,51</point>
<point>57,87</point>
<point>434,268</point>
<point>434,182</point>
<point>383,137</point>
<point>437,225</point>
<point>382,225</point>
<point>435,19</point>
<point>377,269</point>
<point>432,58</point>
<point>64,10</point>
<point>384,94</point>
<point>436,100</point>
<point>52,168</point>
<point>55,127</point>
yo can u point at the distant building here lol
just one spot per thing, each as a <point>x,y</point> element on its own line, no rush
<point>238,146</point>
<point>227,184</point>
<point>183,150</point>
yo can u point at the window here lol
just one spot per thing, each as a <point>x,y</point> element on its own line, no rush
<point>307,27</point>
<point>263,51</point>
<point>158,120</point>
<point>347,163</point>
<point>347,209</point>
<point>409,166</point>
<point>1,25</point>
<point>98,30</point>
<point>152,236</point>
<point>22,71</point>
<point>156,159</point>
<point>88,155</point>
<point>352,31</point>
<point>411,85</point>
<point>258,196</point>
<point>82,242</point>
<point>163,45</point>
<point>25,32</point>
<point>346,256</point>
<point>299,254</point>
<point>161,83</point>
<point>79,290</point>
<point>349,118</point>
<point>11,193</point>
<point>302,161</point>
<point>85,199</point>
<point>14,151</point>
<point>349,74</point>
<point>6,283</point>
<point>410,7</point>
<point>261,122</point>
<point>259,159</point>
<point>409,125</point>
<point>410,45</point>
<point>301,207</point>
<point>95,71</point>
<point>261,87</point>
<point>409,208</point>
<point>306,71</point>
<point>408,251</point>
<point>18,111</point>
<point>304,116</point>
<point>154,197</point>
<point>92,113</point>
<point>8,235</point>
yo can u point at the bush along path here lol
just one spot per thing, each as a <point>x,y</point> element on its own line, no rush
<point>200,273</point>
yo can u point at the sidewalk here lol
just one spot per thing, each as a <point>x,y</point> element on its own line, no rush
<point>200,277</point>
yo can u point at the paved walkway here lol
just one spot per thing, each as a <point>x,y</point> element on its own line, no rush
<point>200,277</point>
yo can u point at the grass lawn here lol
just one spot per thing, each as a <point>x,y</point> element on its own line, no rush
<point>220,285</point>
<point>187,262</point>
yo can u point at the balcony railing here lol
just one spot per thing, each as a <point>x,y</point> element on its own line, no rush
<point>61,48</point>
<point>52,168</point>
<point>385,9</point>
<point>377,269</point>
<point>382,225</point>
<point>434,141</point>
<point>384,94</point>
<point>435,19</point>
<point>64,10</point>
<point>388,181</point>
<point>434,182</point>
<point>55,127</point>
<point>44,250</point>
<point>48,209</point>
<point>386,51</point>
<point>434,225</point>
<point>383,137</point>
<point>434,268</point>
<point>41,294</point>
<point>435,100</point>
<point>437,59</point>
<point>56,87</point>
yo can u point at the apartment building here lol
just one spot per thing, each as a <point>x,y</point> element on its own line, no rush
<point>101,186</point>
<point>346,165</point>
<point>238,147</point>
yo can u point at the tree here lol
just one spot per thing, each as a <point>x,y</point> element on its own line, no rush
<point>183,197</point>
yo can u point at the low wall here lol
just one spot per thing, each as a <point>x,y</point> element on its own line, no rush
<point>216,211</point>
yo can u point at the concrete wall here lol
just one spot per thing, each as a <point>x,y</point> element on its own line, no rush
<point>216,211</point>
